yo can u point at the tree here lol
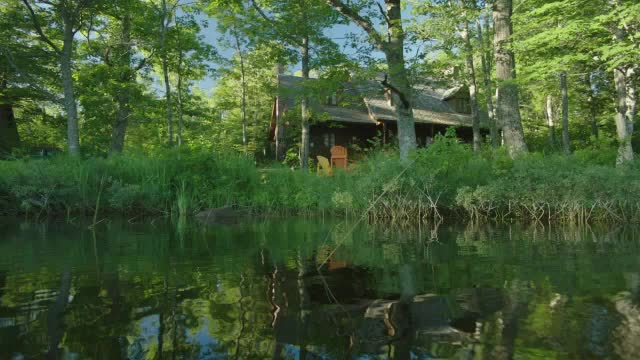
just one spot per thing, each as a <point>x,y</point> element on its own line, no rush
<point>446,26</point>
<point>9,137</point>
<point>565,113</point>
<point>623,22</point>
<point>166,13</point>
<point>549,113</point>
<point>190,58</point>
<point>119,56</point>
<point>392,45</point>
<point>72,15</point>
<point>299,25</point>
<point>128,36</point>
<point>508,111</point>
<point>471,82</point>
<point>260,90</point>
<point>485,59</point>
<point>552,43</point>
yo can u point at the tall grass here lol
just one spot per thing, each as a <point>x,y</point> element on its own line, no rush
<point>445,180</point>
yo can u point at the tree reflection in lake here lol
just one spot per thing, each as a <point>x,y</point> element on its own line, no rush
<point>264,290</point>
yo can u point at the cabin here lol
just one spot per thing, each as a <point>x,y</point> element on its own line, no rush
<point>359,112</point>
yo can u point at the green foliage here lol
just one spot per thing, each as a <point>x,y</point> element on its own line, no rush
<point>446,178</point>
<point>133,183</point>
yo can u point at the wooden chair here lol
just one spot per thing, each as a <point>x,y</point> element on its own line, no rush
<point>324,168</point>
<point>339,157</point>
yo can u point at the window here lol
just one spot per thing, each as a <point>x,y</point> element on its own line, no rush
<point>329,139</point>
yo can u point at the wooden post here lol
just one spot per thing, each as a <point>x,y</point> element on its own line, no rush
<point>384,132</point>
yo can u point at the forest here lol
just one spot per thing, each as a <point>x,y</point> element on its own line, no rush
<point>164,106</point>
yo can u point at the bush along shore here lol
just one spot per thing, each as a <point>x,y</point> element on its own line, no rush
<point>445,180</point>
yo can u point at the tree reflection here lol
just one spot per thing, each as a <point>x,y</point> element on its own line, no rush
<point>263,290</point>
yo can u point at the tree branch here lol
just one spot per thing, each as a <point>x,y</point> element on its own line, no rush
<point>143,62</point>
<point>364,23</point>
<point>401,95</point>
<point>36,24</point>
<point>274,23</point>
<point>383,13</point>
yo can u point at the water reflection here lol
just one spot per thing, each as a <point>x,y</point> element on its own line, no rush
<point>307,290</point>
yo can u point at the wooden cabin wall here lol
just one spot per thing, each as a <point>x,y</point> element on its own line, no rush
<point>348,135</point>
<point>345,135</point>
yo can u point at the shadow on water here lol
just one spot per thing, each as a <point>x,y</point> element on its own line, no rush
<point>300,289</point>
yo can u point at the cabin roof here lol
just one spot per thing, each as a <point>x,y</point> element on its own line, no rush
<point>368,104</point>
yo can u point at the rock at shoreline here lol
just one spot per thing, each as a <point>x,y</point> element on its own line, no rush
<point>221,215</point>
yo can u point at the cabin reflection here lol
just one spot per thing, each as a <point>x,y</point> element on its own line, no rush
<point>340,297</point>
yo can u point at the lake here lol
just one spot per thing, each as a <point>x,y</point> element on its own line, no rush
<point>317,289</point>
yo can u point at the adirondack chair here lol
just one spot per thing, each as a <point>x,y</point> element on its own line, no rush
<point>324,167</point>
<point>339,157</point>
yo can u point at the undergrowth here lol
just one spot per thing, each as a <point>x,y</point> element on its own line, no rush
<point>445,180</point>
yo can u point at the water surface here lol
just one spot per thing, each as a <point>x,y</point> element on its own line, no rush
<point>304,289</point>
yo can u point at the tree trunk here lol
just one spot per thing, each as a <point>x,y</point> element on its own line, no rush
<point>397,82</point>
<point>165,70</point>
<point>632,99</point>
<point>304,143</point>
<point>508,112</point>
<point>73,137</point>
<point>279,130</point>
<point>180,107</point>
<point>279,133</point>
<point>486,69</point>
<point>565,113</point>
<point>551,121</point>
<point>401,92</point>
<point>9,137</point>
<point>592,108</point>
<point>471,80</point>
<point>625,150</point>
<point>243,106</point>
<point>124,111</point>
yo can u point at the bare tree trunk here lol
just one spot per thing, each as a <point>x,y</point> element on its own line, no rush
<point>399,81</point>
<point>119,129</point>
<point>304,143</point>
<point>486,69</point>
<point>508,112</point>
<point>9,137</point>
<point>566,147</point>
<point>592,109</point>
<point>279,135</point>
<point>73,137</point>
<point>471,81</point>
<point>551,121</point>
<point>180,107</point>
<point>632,99</point>
<point>243,106</point>
<point>625,150</point>
<point>165,69</point>
<point>279,130</point>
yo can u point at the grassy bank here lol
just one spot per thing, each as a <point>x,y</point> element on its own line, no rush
<point>445,180</point>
